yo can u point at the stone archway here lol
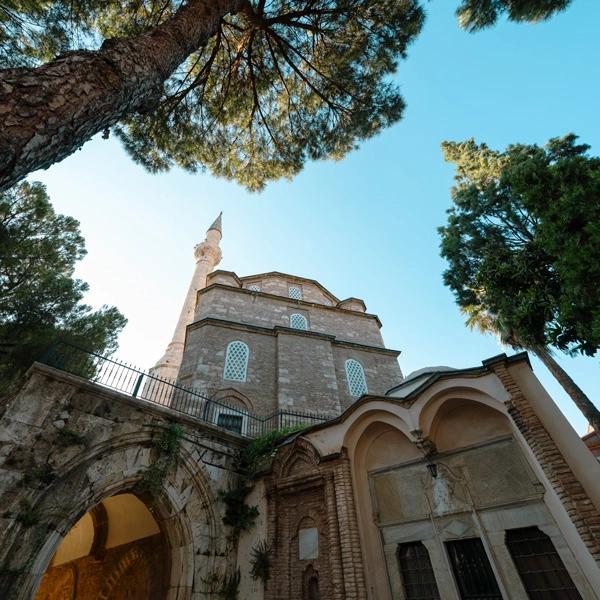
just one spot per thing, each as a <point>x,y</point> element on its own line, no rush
<point>184,510</point>
<point>116,550</point>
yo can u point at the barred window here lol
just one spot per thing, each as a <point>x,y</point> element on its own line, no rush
<point>298,322</point>
<point>472,570</point>
<point>254,287</point>
<point>357,384</point>
<point>541,570</point>
<point>236,361</point>
<point>295,292</point>
<point>418,579</point>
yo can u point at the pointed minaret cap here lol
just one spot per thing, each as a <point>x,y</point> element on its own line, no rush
<point>217,224</point>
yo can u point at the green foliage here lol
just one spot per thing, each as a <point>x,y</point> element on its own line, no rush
<point>523,241</point>
<point>43,475</point>
<point>238,515</point>
<point>66,437</point>
<point>264,447</point>
<point>474,15</point>
<point>27,515</point>
<point>40,301</point>
<point>280,83</point>
<point>260,561</point>
<point>167,445</point>
<point>230,585</point>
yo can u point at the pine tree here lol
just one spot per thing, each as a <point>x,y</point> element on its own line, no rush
<point>474,15</point>
<point>522,243</point>
<point>249,90</point>
<point>40,301</point>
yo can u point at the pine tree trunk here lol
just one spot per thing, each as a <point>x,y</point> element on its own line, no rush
<point>48,112</point>
<point>585,405</point>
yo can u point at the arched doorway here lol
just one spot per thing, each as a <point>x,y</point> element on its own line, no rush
<point>116,550</point>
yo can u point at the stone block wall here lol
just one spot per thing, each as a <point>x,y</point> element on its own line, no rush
<point>66,444</point>
<point>242,306</point>
<point>307,379</point>
<point>279,284</point>
<point>204,361</point>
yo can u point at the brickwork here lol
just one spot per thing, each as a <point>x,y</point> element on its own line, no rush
<point>300,489</point>
<point>287,369</point>
<point>381,371</point>
<point>579,507</point>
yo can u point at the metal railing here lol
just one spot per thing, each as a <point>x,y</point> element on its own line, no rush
<point>134,382</point>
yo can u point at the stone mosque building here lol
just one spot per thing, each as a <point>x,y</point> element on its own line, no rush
<point>451,484</point>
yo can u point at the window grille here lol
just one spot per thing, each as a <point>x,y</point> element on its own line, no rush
<point>418,579</point>
<point>236,361</point>
<point>357,384</point>
<point>254,287</point>
<point>231,422</point>
<point>298,322</point>
<point>472,570</point>
<point>295,292</point>
<point>541,570</point>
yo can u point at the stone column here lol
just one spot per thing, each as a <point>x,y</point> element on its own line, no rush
<point>207,255</point>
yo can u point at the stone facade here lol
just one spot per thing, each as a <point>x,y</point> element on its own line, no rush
<point>288,369</point>
<point>97,502</point>
<point>66,445</point>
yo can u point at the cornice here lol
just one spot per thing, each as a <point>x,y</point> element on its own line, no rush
<point>240,290</point>
<point>280,329</point>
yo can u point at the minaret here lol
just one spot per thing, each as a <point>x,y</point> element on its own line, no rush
<point>207,255</point>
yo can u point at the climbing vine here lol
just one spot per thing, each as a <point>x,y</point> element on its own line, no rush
<point>253,459</point>
<point>167,445</point>
<point>260,561</point>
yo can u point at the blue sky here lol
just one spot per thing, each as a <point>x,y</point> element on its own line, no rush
<point>364,226</point>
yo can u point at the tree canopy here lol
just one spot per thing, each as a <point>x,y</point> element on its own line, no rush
<point>474,15</point>
<point>523,240</point>
<point>40,301</point>
<point>249,90</point>
<point>276,84</point>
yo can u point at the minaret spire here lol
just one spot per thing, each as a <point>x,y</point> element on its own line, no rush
<point>207,255</point>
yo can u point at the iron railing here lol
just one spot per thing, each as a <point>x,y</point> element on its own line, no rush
<point>136,383</point>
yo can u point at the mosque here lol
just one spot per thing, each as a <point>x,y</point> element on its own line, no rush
<point>453,484</point>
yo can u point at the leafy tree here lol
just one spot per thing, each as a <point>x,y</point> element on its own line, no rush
<point>474,15</point>
<point>478,318</point>
<point>40,301</point>
<point>523,245</point>
<point>249,90</point>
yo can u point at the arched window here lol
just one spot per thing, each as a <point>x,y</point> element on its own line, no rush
<point>357,384</point>
<point>236,361</point>
<point>298,321</point>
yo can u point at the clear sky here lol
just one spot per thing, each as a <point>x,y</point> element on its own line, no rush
<point>364,226</point>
